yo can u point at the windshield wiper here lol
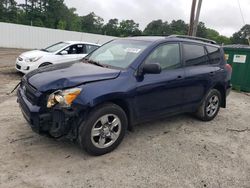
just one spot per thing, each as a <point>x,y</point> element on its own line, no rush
<point>85,60</point>
<point>44,50</point>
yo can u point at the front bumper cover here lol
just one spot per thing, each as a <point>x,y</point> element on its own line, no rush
<point>55,122</point>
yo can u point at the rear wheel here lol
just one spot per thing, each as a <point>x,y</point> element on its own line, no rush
<point>210,106</point>
<point>104,129</point>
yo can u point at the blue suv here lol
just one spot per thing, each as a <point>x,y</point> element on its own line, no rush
<point>125,82</point>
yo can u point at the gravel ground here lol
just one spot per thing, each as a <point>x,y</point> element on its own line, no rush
<point>174,152</point>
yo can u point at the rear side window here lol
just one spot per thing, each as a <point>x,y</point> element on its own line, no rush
<point>167,55</point>
<point>194,55</point>
<point>90,48</point>
<point>214,54</point>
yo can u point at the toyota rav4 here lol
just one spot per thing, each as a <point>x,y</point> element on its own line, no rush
<point>125,82</point>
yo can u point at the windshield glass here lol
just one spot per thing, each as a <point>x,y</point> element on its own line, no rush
<point>56,47</point>
<point>119,53</point>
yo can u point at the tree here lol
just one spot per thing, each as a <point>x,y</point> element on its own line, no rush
<point>55,14</point>
<point>92,23</point>
<point>8,11</point>
<point>223,40</point>
<point>111,28</point>
<point>201,30</point>
<point>73,21</point>
<point>157,27</point>
<point>240,37</point>
<point>129,28</point>
<point>178,27</point>
<point>211,34</point>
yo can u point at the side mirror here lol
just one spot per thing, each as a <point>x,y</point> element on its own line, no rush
<point>64,52</point>
<point>151,68</point>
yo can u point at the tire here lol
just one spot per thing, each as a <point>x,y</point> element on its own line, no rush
<point>210,106</point>
<point>44,64</point>
<point>103,130</point>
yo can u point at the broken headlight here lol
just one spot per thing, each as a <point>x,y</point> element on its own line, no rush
<point>63,97</point>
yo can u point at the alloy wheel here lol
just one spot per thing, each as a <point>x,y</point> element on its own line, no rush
<point>212,105</point>
<point>106,131</point>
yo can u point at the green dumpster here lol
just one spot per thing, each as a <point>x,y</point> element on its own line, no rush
<point>238,56</point>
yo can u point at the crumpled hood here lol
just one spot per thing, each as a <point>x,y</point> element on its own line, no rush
<point>33,53</point>
<point>68,75</point>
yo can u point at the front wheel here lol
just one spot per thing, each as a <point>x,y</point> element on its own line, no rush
<point>103,130</point>
<point>45,64</point>
<point>210,106</point>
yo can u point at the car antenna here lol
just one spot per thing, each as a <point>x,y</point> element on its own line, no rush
<point>14,88</point>
<point>81,36</point>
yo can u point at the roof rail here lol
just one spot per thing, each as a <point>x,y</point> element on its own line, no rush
<point>193,38</point>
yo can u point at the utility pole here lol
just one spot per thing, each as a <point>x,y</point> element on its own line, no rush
<point>191,23</point>
<point>197,15</point>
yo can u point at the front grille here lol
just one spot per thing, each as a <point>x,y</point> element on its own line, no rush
<point>23,106</point>
<point>30,92</point>
<point>18,66</point>
<point>30,96</point>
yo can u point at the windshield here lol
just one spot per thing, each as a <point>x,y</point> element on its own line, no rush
<point>119,53</point>
<point>56,47</point>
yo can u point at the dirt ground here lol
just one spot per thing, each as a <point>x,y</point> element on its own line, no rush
<point>175,152</point>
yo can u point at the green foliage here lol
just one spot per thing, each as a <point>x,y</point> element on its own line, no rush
<point>179,27</point>
<point>111,28</point>
<point>241,36</point>
<point>128,28</point>
<point>91,23</point>
<point>55,14</point>
<point>158,28</point>
<point>201,30</point>
<point>8,11</point>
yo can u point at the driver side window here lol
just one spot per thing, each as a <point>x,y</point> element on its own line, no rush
<point>76,49</point>
<point>167,55</point>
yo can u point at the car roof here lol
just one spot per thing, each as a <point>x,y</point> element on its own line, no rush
<point>173,38</point>
<point>146,38</point>
<point>81,42</point>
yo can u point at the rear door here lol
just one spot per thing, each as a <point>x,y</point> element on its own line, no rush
<point>198,73</point>
<point>158,94</point>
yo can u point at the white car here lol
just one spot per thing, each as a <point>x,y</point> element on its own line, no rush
<point>61,52</point>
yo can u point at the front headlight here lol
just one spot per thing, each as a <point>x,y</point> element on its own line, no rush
<point>63,97</point>
<point>33,59</point>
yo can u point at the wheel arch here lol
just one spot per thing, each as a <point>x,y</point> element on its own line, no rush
<point>44,64</point>
<point>125,106</point>
<point>127,109</point>
<point>222,91</point>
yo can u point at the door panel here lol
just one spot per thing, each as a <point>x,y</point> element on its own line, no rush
<point>198,73</point>
<point>161,93</point>
<point>63,58</point>
<point>198,80</point>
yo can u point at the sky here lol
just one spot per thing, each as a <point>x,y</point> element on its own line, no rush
<point>221,15</point>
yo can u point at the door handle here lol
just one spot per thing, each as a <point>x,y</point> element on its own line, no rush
<point>212,73</point>
<point>179,77</point>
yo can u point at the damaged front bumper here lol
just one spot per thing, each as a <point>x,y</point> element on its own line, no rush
<point>55,122</point>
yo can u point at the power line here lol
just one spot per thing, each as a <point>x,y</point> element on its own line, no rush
<point>243,20</point>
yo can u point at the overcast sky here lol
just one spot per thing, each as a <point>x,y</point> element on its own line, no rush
<point>222,15</point>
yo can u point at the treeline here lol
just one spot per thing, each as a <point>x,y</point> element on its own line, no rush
<point>55,14</point>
